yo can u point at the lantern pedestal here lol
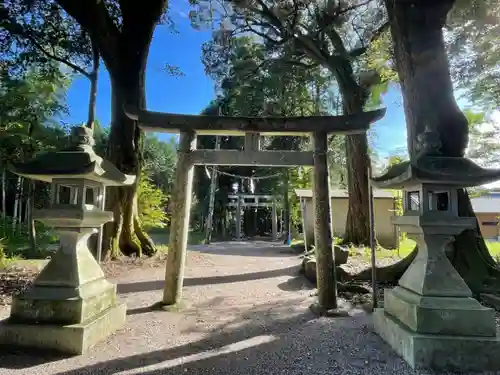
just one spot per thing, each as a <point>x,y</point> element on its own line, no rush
<point>439,351</point>
<point>430,318</point>
<point>71,306</point>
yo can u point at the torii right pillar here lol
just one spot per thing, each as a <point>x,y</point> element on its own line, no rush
<point>325,263</point>
<point>274,222</point>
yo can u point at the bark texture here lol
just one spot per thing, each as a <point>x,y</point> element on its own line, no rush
<point>325,264</point>
<point>424,73</point>
<point>354,97</point>
<point>125,235</point>
<point>357,229</point>
<point>427,89</point>
<point>124,51</point>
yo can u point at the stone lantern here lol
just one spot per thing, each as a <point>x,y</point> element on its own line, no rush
<point>431,318</point>
<point>71,306</point>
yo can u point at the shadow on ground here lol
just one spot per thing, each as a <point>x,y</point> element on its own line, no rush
<point>245,248</point>
<point>197,281</point>
<point>296,283</point>
<point>282,344</point>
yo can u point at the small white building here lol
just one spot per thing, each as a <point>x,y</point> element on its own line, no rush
<point>384,208</point>
<point>487,210</point>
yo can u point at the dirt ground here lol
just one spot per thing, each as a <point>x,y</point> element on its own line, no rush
<point>245,311</point>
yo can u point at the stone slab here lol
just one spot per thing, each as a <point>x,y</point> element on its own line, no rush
<point>48,305</point>
<point>460,316</point>
<point>71,339</point>
<point>438,352</point>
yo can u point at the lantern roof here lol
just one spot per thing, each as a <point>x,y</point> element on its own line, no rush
<point>78,161</point>
<point>458,172</point>
<point>430,167</point>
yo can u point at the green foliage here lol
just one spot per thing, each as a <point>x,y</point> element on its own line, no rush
<point>14,243</point>
<point>159,160</point>
<point>254,80</point>
<point>3,256</point>
<point>151,204</point>
<point>31,100</point>
<point>379,58</point>
<point>474,118</point>
<point>484,133</point>
<point>473,37</point>
<point>300,178</point>
<point>38,33</point>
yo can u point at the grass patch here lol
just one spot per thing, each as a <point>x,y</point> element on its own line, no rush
<point>406,247</point>
<point>494,248</point>
<point>161,237</point>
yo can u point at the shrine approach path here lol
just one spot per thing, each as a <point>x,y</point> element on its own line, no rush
<point>245,311</point>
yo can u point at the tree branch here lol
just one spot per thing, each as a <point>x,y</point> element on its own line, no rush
<point>328,18</point>
<point>336,40</point>
<point>302,64</point>
<point>94,18</point>
<point>268,13</point>
<point>249,28</point>
<point>93,84</point>
<point>377,33</point>
<point>19,31</point>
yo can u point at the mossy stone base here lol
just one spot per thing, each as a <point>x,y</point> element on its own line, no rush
<point>60,305</point>
<point>457,316</point>
<point>438,352</point>
<point>70,339</point>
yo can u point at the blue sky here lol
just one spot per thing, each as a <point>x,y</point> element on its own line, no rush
<point>192,92</point>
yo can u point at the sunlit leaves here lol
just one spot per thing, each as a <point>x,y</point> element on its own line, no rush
<point>33,31</point>
<point>484,133</point>
<point>151,202</point>
<point>28,105</point>
<point>473,36</point>
<point>33,99</point>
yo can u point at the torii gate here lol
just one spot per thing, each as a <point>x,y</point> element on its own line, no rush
<point>241,201</point>
<point>317,127</point>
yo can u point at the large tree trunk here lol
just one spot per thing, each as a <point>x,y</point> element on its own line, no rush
<point>126,235</point>
<point>428,99</point>
<point>124,49</point>
<point>357,229</point>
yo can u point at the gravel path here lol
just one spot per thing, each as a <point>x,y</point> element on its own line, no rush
<point>246,312</point>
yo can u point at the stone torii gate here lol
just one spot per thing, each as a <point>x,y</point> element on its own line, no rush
<point>316,127</point>
<point>241,201</point>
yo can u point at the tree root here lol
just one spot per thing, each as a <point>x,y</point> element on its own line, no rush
<point>471,256</point>
<point>125,236</point>
<point>387,274</point>
<point>147,245</point>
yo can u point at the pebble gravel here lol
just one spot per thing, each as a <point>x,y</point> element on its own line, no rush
<point>245,312</point>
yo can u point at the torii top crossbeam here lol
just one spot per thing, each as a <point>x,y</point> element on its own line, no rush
<point>229,125</point>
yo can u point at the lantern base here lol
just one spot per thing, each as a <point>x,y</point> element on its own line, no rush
<point>440,315</point>
<point>438,352</point>
<point>70,306</point>
<point>62,305</point>
<point>72,339</point>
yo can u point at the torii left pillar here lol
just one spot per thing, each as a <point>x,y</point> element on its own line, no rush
<point>179,225</point>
